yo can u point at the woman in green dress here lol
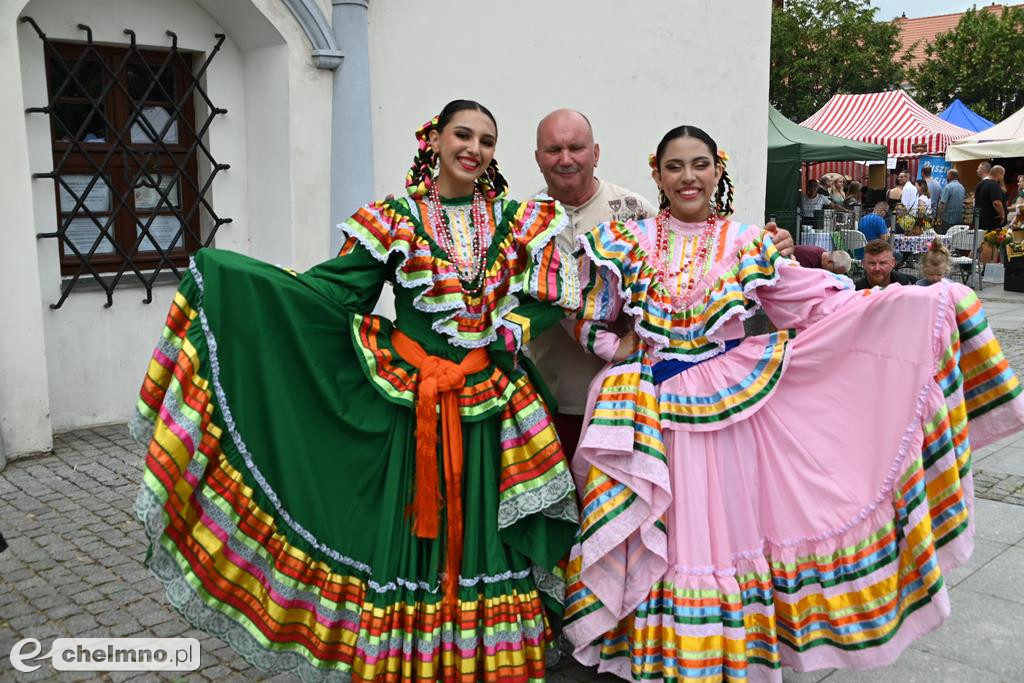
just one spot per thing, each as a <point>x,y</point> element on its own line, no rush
<point>339,495</point>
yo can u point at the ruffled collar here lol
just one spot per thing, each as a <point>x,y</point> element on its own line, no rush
<point>469,319</point>
<point>720,295</point>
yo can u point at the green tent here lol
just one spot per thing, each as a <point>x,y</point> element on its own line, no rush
<point>789,146</point>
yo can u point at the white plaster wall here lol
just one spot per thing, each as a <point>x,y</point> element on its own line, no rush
<point>24,394</point>
<point>303,94</point>
<point>83,364</point>
<point>636,69</point>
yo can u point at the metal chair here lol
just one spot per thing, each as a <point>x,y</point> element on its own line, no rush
<point>852,241</point>
<point>965,264</point>
<point>954,229</point>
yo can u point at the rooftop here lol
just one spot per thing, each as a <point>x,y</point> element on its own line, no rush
<point>923,30</point>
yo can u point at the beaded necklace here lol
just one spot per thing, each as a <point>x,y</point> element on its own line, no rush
<point>663,257</point>
<point>469,268</point>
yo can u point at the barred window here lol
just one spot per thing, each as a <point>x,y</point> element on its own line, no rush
<point>131,169</point>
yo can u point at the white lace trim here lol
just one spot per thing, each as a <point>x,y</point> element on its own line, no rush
<point>555,499</point>
<point>191,607</point>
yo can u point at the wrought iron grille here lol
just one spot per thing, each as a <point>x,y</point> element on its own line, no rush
<point>127,131</point>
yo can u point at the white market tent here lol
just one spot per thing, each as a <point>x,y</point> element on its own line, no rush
<point>1005,139</point>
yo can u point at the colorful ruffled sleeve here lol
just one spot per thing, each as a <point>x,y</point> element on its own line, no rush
<point>549,274</point>
<point>607,266</point>
<point>544,278</point>
<point>353,280</point>
<point>793,297</point>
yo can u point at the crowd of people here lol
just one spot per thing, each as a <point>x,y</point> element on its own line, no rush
<point>914,208</point>
<point>564,428</point>
<point>945,205</point>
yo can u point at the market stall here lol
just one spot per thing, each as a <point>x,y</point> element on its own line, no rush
<point>789,146</point>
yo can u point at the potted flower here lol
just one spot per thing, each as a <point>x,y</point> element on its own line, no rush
<point>992,244</point>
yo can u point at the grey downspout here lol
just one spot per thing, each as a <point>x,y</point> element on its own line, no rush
<point>351,123</point>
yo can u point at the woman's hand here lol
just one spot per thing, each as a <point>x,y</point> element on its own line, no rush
<point>781,238</point>
<point>628,344</point>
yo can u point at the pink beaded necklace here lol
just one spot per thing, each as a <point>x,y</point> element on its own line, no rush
<point>663,257</point>
<point>469,269</point>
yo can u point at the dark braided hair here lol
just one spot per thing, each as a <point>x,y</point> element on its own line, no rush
<point>420,176</point>
<point>725,191</point>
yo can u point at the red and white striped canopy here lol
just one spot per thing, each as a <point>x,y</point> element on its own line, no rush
<point>890,118</point>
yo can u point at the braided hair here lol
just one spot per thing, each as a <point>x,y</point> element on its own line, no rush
<point>421,174</point>
<point>725,191</point>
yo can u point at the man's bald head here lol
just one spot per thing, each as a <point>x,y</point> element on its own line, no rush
<point>567,156</point>
<point>561,117</point>
<point>998,172</point>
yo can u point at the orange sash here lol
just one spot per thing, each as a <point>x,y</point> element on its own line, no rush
<point>439,382</point>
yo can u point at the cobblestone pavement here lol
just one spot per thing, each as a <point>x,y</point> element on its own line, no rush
<point>75,562</point>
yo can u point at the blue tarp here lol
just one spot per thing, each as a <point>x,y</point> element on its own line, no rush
<point>959,114</point>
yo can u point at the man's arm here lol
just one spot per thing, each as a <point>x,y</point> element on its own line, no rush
<point>943,199</point>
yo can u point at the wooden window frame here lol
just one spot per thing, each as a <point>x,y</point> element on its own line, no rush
<point>126,163</point>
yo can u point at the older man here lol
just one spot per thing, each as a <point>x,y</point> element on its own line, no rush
<point>810,256</point>
<point>567,156</point>
<point>951,201</point>
<point>878,267</point>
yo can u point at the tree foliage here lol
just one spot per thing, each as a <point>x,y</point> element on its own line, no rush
<point>979,61</point>
<point>824,47</point>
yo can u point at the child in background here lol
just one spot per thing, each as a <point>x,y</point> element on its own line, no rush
<point>934,264</point>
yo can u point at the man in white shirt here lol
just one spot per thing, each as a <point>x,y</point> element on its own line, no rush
<point>909,196</point>
<point>810,201</point>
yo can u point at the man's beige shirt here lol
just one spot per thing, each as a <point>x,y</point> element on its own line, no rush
<point>566,367</point>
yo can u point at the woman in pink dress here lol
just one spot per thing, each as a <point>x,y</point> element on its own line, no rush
<point>791,499</point>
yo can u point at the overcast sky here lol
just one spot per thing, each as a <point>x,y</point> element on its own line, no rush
<point>890,9</point>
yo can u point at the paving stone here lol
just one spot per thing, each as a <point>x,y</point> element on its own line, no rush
<point>983,633</point>
<point>64,609</point>
<point>1009,460</point>
<point>216,673</point>
<point>81,625</point>
<point>156,616</point>
<point>915,666</point>
<point>1001,578</point>
<point>999,522</point>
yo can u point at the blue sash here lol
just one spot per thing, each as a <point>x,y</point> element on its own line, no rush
<point>666,369</point>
